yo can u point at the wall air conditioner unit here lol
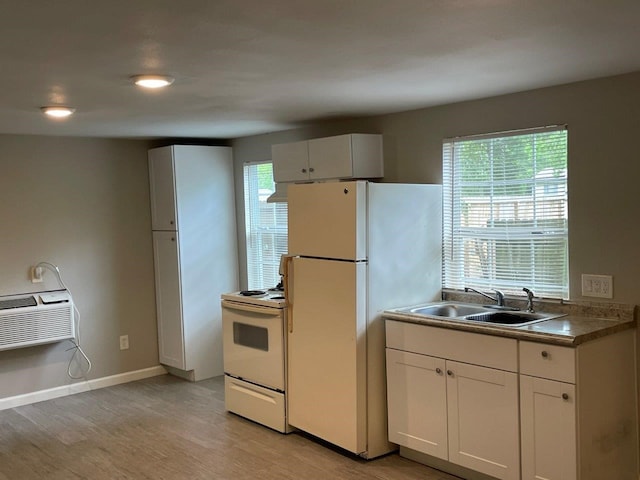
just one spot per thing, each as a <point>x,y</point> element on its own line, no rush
<point>36,318</point>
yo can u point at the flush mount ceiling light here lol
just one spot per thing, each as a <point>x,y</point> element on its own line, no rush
<point>57,111</point>
<point>152,81</point>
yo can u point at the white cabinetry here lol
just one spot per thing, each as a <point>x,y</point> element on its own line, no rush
<point>339,157</point>
<point>548,429</point>
<point>454,395</point>
<point>577,409</point>
<point>195,253</point>
<point>168,299</point>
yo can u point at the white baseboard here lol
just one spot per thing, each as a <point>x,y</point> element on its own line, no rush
<point>63,391</point>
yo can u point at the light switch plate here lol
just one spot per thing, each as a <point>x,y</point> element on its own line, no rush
<point>600,286</point>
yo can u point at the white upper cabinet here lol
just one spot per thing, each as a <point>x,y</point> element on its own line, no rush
<point>290,162</point>
<point>331,158</point>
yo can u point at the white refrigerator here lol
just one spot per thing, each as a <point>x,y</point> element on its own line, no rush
<point>358,248</point>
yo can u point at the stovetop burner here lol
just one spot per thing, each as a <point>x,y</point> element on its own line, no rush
<point>272,297</point>
<point>253,293</point>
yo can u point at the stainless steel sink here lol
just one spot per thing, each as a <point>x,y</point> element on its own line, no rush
<point>448,310</point>
<point>516,319</point>
<point>465,312</point>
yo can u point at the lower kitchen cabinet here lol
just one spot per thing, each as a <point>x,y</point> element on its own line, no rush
<point>482,412</point>
<point>466,414</point>
<point>417,402</point>
<point>578,409</point>
<point>548,429</point>
<point>513,409</point>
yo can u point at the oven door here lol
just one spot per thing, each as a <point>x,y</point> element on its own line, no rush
<point>253,345</point>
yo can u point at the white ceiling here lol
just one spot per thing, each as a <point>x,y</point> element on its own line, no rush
<point>244,67</point>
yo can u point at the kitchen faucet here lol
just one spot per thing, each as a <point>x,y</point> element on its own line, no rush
<point>499,299</point>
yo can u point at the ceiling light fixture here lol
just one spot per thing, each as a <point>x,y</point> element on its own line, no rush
<point>152,81</point>
<point>57,111</point>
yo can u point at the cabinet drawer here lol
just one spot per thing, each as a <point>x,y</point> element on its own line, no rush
<point>467,347</point>
<point>548,361</point>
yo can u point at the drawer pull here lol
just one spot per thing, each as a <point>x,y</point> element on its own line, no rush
<point>439,371</point>
<point>565,396</point>
<point>545,354</point>
<point>450,373</point>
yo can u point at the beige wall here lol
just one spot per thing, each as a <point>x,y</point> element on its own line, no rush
<point>82,204</point>
<point>603,118</point>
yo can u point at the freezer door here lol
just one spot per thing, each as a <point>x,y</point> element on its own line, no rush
<point>328,220</point>
<point>327,351</point>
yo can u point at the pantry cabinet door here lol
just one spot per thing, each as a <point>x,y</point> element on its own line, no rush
<point>169,299</point>
<point>162,188</point>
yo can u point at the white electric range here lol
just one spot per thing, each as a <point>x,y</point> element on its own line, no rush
<point>254,351</point>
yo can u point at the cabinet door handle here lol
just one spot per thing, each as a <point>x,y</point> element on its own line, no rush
<point>565,396</point>
<point>170,222</point>
<point>311,169</point>
<point>450,373</point>
<point>439,371</point>
<point>304,170</point>
<point>545,354</point>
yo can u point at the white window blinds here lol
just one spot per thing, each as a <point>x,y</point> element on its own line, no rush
<point>266,227</point>
<point>505,212</point>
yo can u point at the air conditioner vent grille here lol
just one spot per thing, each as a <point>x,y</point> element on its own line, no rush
<point>22,327</point>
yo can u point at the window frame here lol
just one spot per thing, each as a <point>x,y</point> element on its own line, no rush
<point>538,236</point>
<point>262,265</point>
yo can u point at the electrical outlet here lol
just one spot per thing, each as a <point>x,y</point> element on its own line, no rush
<point>36,274</point>
<point>124,342</point>
<point>597,286</point>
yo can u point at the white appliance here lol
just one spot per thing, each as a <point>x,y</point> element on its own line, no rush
<point>255,356</point>
<point>195,254</point>
<point>360,248</point>
<point>36,318</point>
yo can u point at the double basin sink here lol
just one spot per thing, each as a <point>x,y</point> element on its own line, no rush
<point>488,314</point>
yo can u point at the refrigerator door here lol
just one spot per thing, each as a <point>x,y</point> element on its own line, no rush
<point>327,351</point>
<point>328,220</point>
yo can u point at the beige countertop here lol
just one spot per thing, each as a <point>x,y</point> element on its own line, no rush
<point>570,330</point>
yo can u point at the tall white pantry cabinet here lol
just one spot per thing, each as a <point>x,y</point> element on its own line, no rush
<point>195,253</point>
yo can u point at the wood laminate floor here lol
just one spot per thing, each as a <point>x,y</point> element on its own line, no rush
<point>167,428</point>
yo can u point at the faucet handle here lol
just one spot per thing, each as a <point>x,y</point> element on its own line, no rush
<point>529,299</point>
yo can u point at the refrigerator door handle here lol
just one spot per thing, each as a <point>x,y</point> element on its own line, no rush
<point>288,291</point>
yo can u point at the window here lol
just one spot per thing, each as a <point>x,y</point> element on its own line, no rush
<point>266,226</point>
<point>505,212</point>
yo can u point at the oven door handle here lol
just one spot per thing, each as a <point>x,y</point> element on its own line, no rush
<point>243,307</point>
